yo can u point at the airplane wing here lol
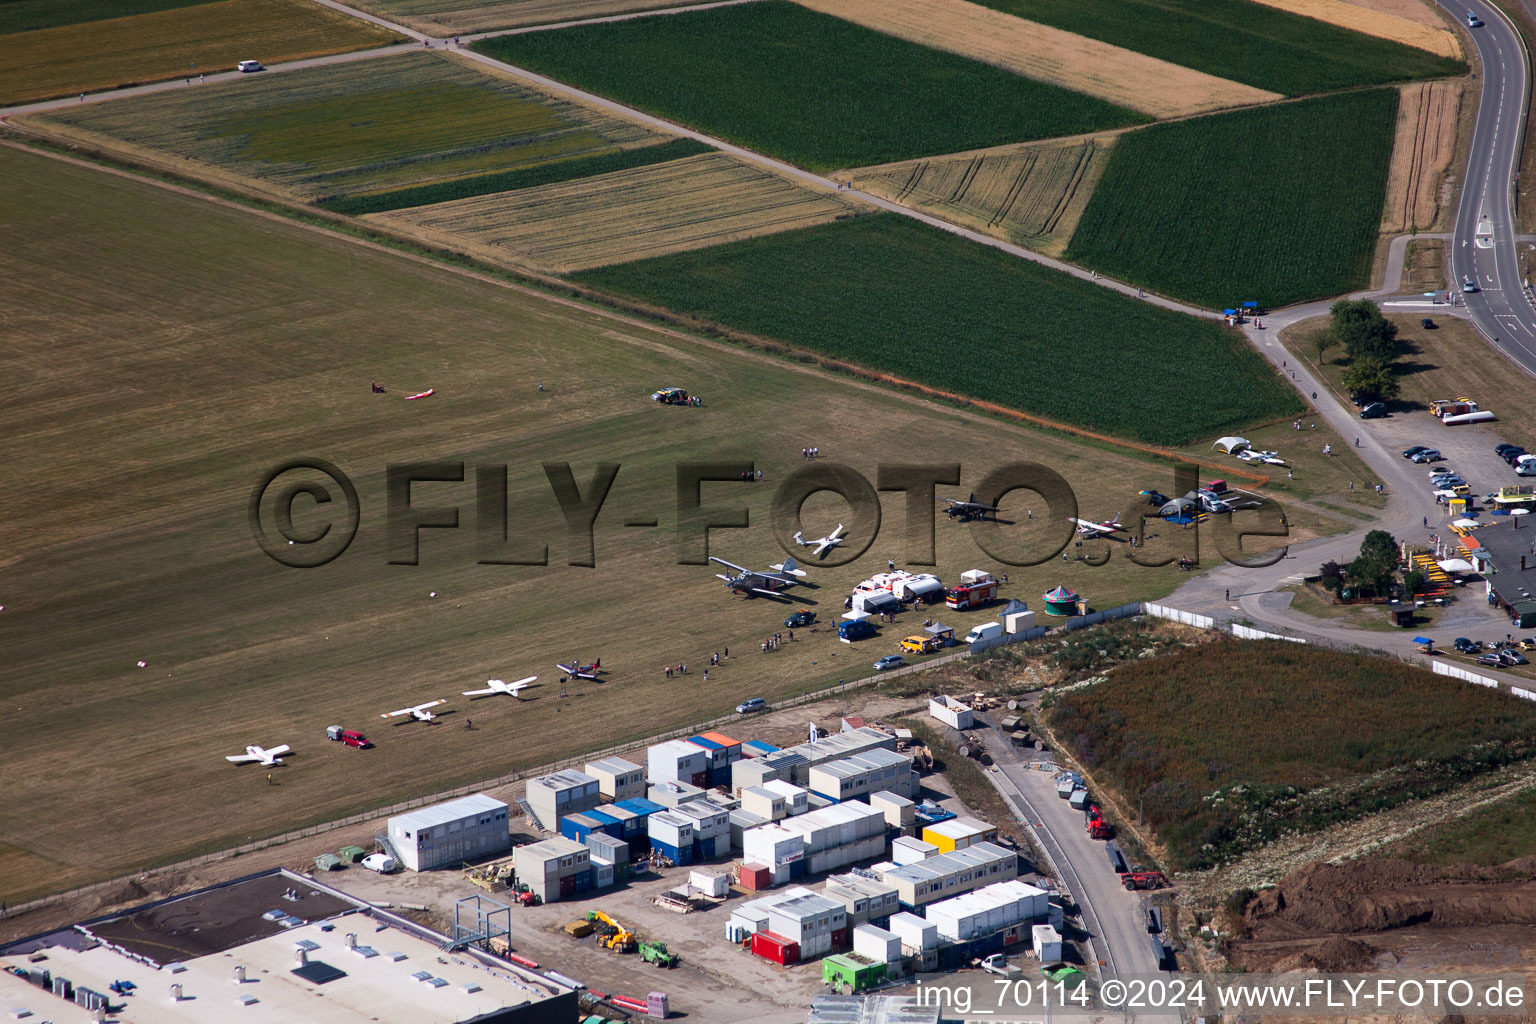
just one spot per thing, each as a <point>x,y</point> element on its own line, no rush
<point>768,593</point>
<point>277,751</point>
<point>241,758</point>
<point>729,565</point>
<point>397,714</point>
<point>428,704</point>
<point>479,693</point>
<point>524,682</point>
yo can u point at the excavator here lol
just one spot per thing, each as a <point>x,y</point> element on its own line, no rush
<point>611,934</point>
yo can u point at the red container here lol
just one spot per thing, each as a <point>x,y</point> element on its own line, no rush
<point>701,780</point>
<point>775,947</point>
<point>756,877</point>
<point>840,939</point>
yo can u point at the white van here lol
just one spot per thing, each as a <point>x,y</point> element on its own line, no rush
<point>383,863</point>
<point>984,631</point>
<point>250,65</point>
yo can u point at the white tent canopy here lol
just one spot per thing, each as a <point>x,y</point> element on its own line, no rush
<point>1465,524</point>
<point>1231,444</point>
<point>1456,565</point>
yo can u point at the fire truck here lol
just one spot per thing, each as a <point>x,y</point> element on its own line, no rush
<point>976,588</point>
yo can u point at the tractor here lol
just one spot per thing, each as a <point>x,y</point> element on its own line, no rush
<point>611,934</point>
<point>656,953</point>
<point>1140,878</point>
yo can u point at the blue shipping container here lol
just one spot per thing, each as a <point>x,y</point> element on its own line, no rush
<point>640,805</point>
<point>758,748</point>
<point>583,880</point>
<point>700,741</point>
<point>677,856</point>
<point>577,827</point>
<point>797,868</point>
<point>704,849</point>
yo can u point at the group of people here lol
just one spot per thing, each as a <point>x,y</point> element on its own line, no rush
<point>809,453</point>
<point>749,476</point>
<point>773,642</point>
<point>1187,564</point>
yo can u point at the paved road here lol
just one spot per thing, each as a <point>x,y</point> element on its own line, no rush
<point>1111,916</point>
<point>1484,245</point>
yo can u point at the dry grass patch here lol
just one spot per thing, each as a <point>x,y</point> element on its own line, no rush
<point>629,215</point>
<point>1047,54</point>
<point>450,17</point>
<point>98,55</point>
<point>392,122</point>
<point>1030,195</point>
<point>1424,265</point>
<point>1380,18</point>
<point>1421,156</point>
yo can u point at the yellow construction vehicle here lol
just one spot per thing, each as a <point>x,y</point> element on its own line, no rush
<point>611,934</point>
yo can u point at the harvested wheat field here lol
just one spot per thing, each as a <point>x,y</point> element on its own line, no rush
<point>1030,195</point>
<point>1385,19</point>
<point>461,17</point>
<point>1027,48</point>
<point>628,215</point>
<point>1421,156</point>
<point>392,122</point>
<point>95,55</point>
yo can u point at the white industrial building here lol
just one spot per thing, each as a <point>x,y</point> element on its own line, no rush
<point>617,779</point>
<point>1047,943</point>
<point>950,874</point>
<point>671,794</point>
<point>743,822</point>
<point>446,835</point>
<point>879,945</point>
<point>763,802</point>
<point>817,923</point>
<point>557,794</point>
<point>831,747</point>
<point>910,849</point>
<point>677,761</point>
<point>795,798</point>
<point>552,868</point>
<point>916,933</point>
<point>858,776</point>
<point>952,712</point>
<point>900,811</point>
<point>1003,907</point>
<point>865,899</point>
<point>839,835</point>
<point>757,771</point>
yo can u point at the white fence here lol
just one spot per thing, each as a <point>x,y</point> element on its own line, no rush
<point>1520,691</point>
<point>1441,668</point>
<point>1107,615</point>
<point>1162,611</point>
<point>1033,633</point>
<point>1249,633</point>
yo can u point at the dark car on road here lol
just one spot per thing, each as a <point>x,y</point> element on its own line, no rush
<point>1409,453</point>
<point>1464,645</point>
<point>803,617</point>
<point>1491,660</point>
<point>1374,411</point>
<point>890,661</point>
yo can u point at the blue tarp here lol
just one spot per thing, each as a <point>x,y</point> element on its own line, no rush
<point>1230,312</point>
<point>1250,305</point>
<point>1423,640</point>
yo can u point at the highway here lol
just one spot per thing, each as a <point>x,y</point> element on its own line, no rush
<point>1484,237</point>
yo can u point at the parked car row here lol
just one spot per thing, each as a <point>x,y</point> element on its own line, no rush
<point>1500,654</point>
<point>1421,454</point>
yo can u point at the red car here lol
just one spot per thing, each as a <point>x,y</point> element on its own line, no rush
<point>348,736</point>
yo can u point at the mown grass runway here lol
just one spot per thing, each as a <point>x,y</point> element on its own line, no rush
<point>810,88</point>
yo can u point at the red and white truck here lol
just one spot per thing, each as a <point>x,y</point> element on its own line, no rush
<point>977,588</point>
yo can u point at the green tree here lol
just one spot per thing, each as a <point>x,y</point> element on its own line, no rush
<point>1370,339</point>
<point>1372,378</point>
<point>1332,574</point>
<point>1415,581</point>
<point>1321,341</point>
<point>1376,564</point>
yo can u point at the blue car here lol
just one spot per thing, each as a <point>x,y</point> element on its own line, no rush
<point>890,661</point>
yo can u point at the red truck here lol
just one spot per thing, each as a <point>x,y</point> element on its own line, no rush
<point>976,589</point>
<point>1095,825</point>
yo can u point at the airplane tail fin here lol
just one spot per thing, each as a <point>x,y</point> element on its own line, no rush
<point>798,539</point>
<point>791,567</point>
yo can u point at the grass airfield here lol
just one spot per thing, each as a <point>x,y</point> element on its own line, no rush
<point>149,399</point>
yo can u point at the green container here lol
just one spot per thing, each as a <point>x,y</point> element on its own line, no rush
<point>847,972</point>
<point>351,854</point>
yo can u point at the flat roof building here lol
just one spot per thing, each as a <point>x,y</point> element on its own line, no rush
<point>216,954</point>
<point>950,874</point>
<point>447,834</point>
<point>617,779</point>
<point>557,794</point>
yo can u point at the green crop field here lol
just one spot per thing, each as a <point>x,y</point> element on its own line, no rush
<point>1277,204</point>
<point>508,181</point>
<point>1229,745</point>
<point>154,42</point>
<point>391,122</point>
<point>164,353</point>
<point>29,15</point>
<point>1237,39</point>
<point>816,90</point>
<point>921,304</point>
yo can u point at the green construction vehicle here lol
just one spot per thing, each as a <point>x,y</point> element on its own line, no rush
<point>656,953</point>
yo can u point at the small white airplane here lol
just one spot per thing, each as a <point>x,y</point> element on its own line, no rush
<point>266,757</point>
<point>1089,528</point>
<point>822,544</point>
<point>421,712</point>
<point>499,686</point>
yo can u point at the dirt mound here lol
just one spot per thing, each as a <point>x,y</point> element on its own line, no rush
<point>1374,896</point>
<point>1337,955</point>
